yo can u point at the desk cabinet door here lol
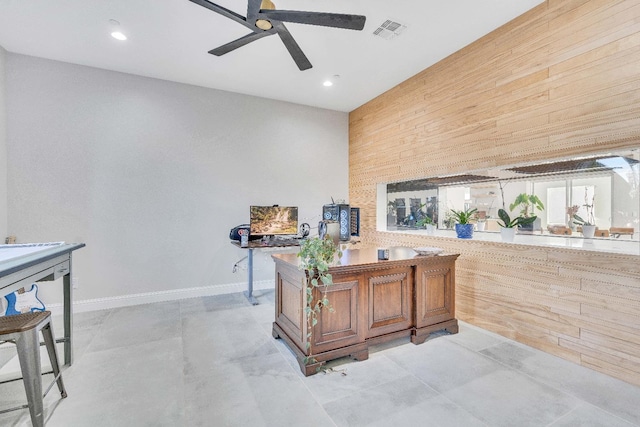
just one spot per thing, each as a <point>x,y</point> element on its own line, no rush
<point>435,301</point>
<point>290,303</point>
<point>389,300</point>
<point>342,326</point>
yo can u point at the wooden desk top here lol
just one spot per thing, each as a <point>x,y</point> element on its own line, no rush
<point>355,259</point>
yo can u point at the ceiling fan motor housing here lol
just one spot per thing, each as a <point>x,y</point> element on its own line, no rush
<point>263,24</point>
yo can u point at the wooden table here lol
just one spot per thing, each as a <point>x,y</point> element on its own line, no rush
<point>374,301</point>
<point>23,264</point>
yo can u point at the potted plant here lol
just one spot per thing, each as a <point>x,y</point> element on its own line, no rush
<point>481,220</point>
<point>448,220</point>
<point>464,230</point>
<point>424,220</point>
<point>427,223</point>
<point>316,256</point>
<point>528,203</point>
<point>589,224</point>
<point>508,225</point>
<point>571,211</point>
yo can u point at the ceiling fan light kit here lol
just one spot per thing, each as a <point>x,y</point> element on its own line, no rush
<point>264,20</point>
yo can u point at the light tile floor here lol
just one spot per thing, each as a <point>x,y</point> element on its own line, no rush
<point>212,362</point>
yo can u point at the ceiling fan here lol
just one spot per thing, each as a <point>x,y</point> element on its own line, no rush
<point>264,20</point>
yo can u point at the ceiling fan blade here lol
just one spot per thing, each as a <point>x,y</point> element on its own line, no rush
<point>296,53</point>
<point>337,20</point>
<point>253,7</point>
<point>224,12</point>
<point>226,48</point>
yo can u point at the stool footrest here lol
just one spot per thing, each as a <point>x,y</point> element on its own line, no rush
<point>14,409</point>
<point>20,378</point>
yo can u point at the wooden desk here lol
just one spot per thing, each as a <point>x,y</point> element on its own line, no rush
<point>374,301</point>
<point>258,244</point>
<point>21,265</point>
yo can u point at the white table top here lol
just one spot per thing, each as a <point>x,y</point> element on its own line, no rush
<point>15,258</point>
<point>8,252</point>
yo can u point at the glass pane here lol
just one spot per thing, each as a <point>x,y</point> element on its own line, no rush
<point>556,205</point>
<point>610,183</point>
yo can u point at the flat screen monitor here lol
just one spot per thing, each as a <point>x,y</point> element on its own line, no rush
<point>273,220</point>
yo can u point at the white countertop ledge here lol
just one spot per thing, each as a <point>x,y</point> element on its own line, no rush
<point>623,245</point>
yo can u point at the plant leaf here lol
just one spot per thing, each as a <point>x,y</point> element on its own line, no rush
<point>525,221</point>
<point>504,216</point>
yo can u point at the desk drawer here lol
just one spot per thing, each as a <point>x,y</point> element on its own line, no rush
<point>47,270</point>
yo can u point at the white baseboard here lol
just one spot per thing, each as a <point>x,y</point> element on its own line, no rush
<point>160,296</point>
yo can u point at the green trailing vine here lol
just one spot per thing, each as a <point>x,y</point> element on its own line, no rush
<point>316,256</point>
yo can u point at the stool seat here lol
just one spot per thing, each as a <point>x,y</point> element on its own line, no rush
<point>23,329</point>
<point>22,322</point>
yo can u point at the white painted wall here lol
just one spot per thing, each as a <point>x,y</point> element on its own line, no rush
<point>151,174</point>
<point>3,150</point>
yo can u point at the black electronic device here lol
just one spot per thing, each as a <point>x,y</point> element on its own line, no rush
<point>344,215</point>
<point>330,212</point>
<point>237,231</point>
<point>340,213</point>
<point>273,220</point>
<point>355,221</point>
<point>304,230</point>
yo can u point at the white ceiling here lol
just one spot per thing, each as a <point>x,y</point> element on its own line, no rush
<point>169,40</point>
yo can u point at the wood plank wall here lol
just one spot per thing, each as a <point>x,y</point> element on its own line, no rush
<point>562,79</point>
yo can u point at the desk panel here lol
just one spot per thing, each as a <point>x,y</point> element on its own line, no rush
<point>21,265</point>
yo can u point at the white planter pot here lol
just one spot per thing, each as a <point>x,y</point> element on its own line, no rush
<point>588,231</point>
<point>431,229</point>
<point>480,225</point>
<point>537,224</point>
<point>507,234</point>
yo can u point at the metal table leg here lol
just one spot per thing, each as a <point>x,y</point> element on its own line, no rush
<point>249,292</point>
<point>68,318</point>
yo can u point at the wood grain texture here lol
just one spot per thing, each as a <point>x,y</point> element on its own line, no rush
<point>371,302</point>
<point>561,80</point>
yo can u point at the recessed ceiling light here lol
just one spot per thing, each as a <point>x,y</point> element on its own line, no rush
<point>118,35</point>
<point>331,80</point>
